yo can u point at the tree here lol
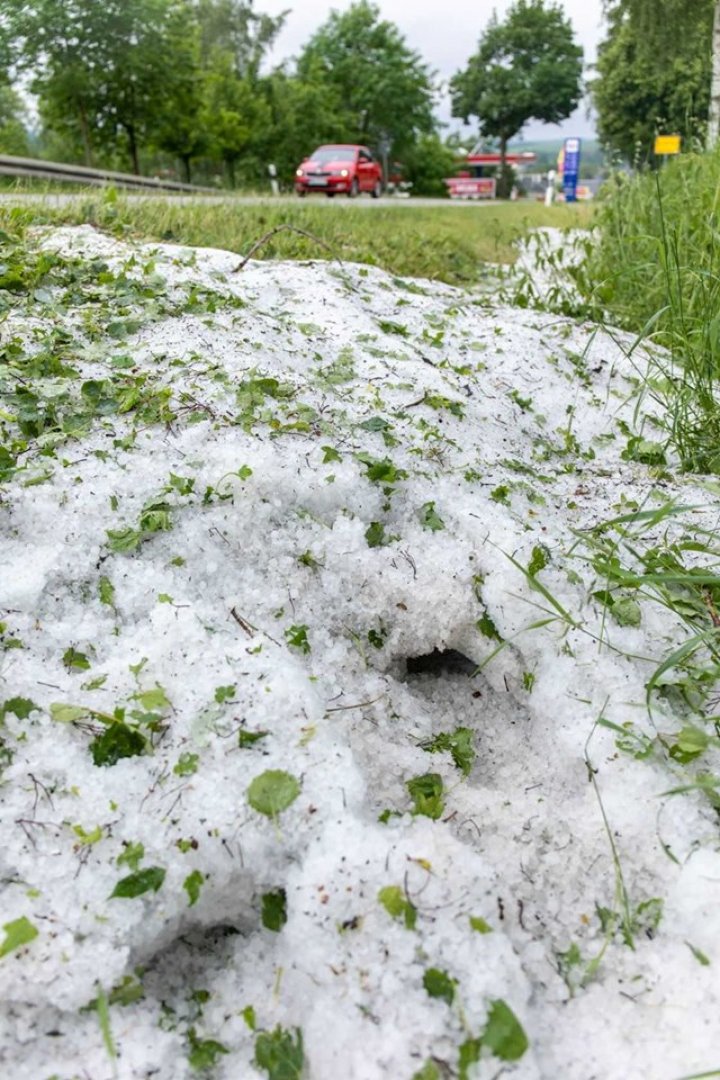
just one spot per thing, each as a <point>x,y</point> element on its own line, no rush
<point>234,113</point>
<point>387,91</point>
<point>714,114</point>
<point>52,40</point>
<point>427,164</point>
<point>653,73</point>
<point>149,64</point>
<point>234,27</point>
<point>304,114</point>
<point>526,67</point>
<point>104,71</point>
<point>180,125</point>
<point>13,121</point>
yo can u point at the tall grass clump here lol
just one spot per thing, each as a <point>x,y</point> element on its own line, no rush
<point>656,271</point>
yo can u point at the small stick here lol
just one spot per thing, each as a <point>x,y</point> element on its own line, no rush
<point>288,228</point>
<point>246,626</point>
<point>39,786</point>
<point>359,705</point>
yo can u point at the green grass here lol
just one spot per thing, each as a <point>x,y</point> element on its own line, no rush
<point>656,272</point>
<point>446,243</point>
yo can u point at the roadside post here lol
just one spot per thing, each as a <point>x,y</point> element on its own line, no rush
<point>384,146</point>
<point>550,189</point>
<point>571,169</point>
<point>274,186</point>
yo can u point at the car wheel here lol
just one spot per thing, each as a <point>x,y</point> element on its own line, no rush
<point>330,194</point>
<point>354,189</point>
<point>377,190</point>
<point>301,193</point>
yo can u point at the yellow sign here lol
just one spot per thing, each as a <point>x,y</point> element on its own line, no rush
<point>667,144</point>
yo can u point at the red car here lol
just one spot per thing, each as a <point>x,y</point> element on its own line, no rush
<point>342,169</point>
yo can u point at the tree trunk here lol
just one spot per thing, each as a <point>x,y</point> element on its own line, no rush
<point>185,158</point>
<point>503,188</point>
<point>230,165</point>
<point>133,148</point>
<point>85,131</point>
<point>714,115</point>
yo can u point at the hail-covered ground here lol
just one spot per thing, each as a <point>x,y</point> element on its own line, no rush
<point>334,742</point>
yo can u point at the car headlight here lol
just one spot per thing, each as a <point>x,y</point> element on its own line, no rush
<point>299,172</point>
<point>344,172</point>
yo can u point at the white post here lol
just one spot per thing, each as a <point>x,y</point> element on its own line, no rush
<point>274,186</point>
<point>550,190</point>
<point>713,131</point>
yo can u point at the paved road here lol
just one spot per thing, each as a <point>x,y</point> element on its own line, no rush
<point>59,199</point>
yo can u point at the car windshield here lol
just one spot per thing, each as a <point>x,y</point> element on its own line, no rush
<point>332,153</point>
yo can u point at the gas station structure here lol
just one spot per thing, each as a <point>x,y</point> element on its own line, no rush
<point>472,181</point>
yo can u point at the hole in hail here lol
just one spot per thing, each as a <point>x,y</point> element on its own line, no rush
<point>440,662</point>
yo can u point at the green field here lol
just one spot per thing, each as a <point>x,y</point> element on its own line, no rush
<point>447,243</point>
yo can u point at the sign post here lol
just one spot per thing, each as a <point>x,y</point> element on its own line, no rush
<point>667,145</point>
<point>571,169</point>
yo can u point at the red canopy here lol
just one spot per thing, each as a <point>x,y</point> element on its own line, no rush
<point>525,158</point>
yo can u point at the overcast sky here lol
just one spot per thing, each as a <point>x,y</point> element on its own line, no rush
<point>445,32</point>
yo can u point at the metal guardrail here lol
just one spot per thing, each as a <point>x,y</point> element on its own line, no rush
<point>80,174</point>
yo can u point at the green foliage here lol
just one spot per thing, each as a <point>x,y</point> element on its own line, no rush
<point>504,1035</point>
<point>274,909</point>
<point>653,74</point>
<point>234,110</point>
<point>375,534</point>
<point>272,792</point>
<point>430,519</point>
<point>427,164</point>
<point>75,660</point>
<point>487,627</point>
<point>280,1053</point>
<point>526,67</point>
<point>103,1015</point>
<point>148,880</point>
<point>204,1053</point>
<point>427,794</point>
<point>19,707</point>
<point>297,637</point>
<point>225,693</point>
<point>192,885</point>
<point>13,123</point>
<point>383,88</point>
<point>106,592</point>
<point>397,905</point>
<point>433,242</point>
<point>479,924</point>
<point>381,470</point>
<point>186,765</point>
<point>132,855</point>
<point>439,984</point>
<point>458,743</point>
<point>117,741</point>
<point>19,932</point>
<point>247,739</point>
<point>656,270</point>
<point>127,992</point>
<point>538,560</point>
<point>103,72</point>
<point>643,450</point>
<point>429,1071</point>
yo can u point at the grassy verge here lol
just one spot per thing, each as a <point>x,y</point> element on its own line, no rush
<point>656,271</point>
<point>446,243</point>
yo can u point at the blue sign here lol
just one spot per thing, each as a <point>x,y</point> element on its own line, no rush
<point>571,169</point>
